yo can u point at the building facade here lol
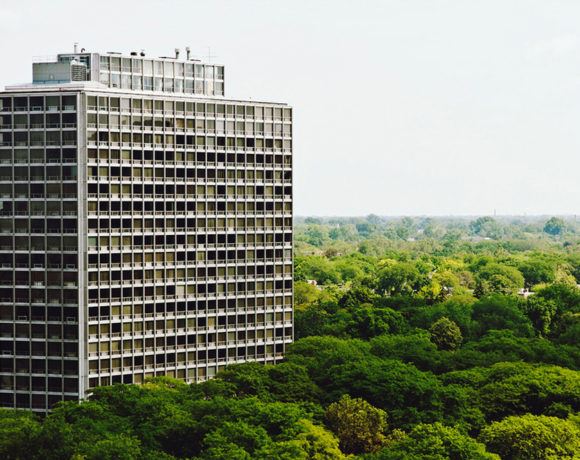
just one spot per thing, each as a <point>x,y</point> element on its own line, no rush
<point>145,226</point>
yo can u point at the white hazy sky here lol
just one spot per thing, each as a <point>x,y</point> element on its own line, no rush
<point>401,107</point>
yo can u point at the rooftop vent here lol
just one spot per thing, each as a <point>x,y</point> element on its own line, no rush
<point>78,71</point>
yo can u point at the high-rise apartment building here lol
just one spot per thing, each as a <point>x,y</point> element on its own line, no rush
<point>145,226</point>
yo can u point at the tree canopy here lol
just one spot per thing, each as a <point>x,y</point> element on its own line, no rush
<point>415,338</point>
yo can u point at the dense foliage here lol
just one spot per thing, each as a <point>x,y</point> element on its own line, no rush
<point>416,339</point>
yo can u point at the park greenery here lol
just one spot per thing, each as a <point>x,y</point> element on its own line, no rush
<point>416,338</point>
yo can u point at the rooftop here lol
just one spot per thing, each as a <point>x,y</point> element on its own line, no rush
<point>133,71</point>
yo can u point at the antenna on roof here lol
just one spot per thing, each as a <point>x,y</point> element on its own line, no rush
<point>188,52</point>
<point>76,48</point>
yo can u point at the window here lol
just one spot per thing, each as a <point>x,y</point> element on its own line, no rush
<point>115,64</point>
<point>148,67</point>
<point>126,65</point>
<point>125,81</point>
<point>137,66</point>
<point>178,88</point>
<point>168,84</point>
<point>115,80</point>
<point>105,63</point>
<point>148,83</point>
<point>168,69</point>
<point>158,68</point>
<point>137,82</point>
<point>125,105</point>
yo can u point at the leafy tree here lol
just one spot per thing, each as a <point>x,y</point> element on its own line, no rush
<point>316,268</point>
<point>555,226</point>
<point>303,441</point>
<point>562,302</point>
<point>499,279</point>
<point>357,295</point>
<point>359,426</point>
<point>503,345</point>
<point>304,294</point>
<point>445,334</point>
<point>407,394</point>
<point>568,329</point>
<point>153,412</point>
<point>286,381</point>
<point>316,235</point>
<point>541,312</point>
<point>235,440</point>
<point>290,382</point>
<point>435,442</point>
<point>536,271</point>
<point>518,388</point>
<point>501,312</point>
<point>457,308</point>
<point>368,321</point>
<point>440,286</point>
<point>248,379</point>
<point>415,348</point>
<point>462,408</point>
<point>318,354</point>
<point>399,278</point>
<point>574,260</point>
<point>366,229</point>
<point>114,447</point>
<point>476,226</point>
<point>433,230</point>
<point>317,442</point>
<point>486,226</point>
<point>79,427</point>
<point>19,432</point>
<point>533,437</point>
<point>212,388</point>
<point>404,229</point>
<point>314,320</point>
<point>344,233</point>
<point>351,268</point>
<point>283,450</point>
